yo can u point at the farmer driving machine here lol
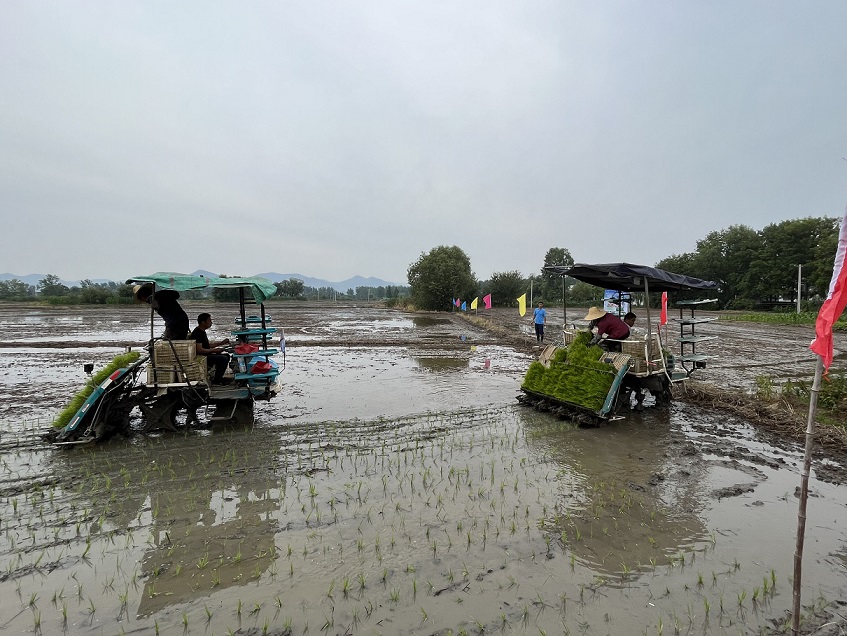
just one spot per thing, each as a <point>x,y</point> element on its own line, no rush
<point>171,378</point>
<point>592,384</point>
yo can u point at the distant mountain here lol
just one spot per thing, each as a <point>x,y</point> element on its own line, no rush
<point>204,272</point>
<point>342,286</point>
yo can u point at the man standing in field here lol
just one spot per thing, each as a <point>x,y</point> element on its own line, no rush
<point>540,319</point>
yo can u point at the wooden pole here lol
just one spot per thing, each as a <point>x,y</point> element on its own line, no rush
<point>804,496</point>
<point>647,306</point>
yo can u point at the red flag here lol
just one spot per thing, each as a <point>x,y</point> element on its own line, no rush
<point>487,300</point>
<point>663,317</point>
<point>833,306</point>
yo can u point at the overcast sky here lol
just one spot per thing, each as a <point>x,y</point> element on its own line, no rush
<point>342,138</point>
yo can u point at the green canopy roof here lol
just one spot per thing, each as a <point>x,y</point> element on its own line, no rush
<point>261,288</point>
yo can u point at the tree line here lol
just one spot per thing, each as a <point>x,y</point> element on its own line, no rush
<point>52,290</point>
<point>759,269</point>
<point>755,270</point>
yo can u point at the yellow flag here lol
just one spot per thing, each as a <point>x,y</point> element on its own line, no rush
<point>473,302</point>
<point>522,304</point>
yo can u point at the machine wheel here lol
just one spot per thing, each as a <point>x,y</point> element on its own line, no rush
<point>192,401</point>
<point>243,415</point>
<point>664,396</point>
<point>160,412</point>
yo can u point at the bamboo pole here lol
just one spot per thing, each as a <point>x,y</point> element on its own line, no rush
<point>804,496</point>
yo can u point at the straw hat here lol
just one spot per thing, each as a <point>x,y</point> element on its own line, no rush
<point>137,289</point>
<point>594,313</point>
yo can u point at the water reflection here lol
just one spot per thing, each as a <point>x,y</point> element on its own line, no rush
<point>441,363</point>
<point>423,322</point>
<point>622,505</point>
<point>209,507</point>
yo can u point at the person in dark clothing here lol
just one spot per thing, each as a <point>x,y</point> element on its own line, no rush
<point>214,352</point>
<point>165,304</point>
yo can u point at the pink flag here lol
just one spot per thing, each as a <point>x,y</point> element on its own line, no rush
<point>833,306</point>
<point>487,300</point>
<point>458,302</point>
<point>663,317</point>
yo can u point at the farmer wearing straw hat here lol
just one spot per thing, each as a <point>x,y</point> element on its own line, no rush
<point>607,326</point>
<point>165,303</point>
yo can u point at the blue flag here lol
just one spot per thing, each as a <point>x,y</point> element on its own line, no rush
<point>464,306</point>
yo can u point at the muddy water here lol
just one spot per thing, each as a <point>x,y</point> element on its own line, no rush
<point>397,488</point>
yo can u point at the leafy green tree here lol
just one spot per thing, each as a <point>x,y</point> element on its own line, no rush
<point>93,294</point>
<point>680,264</point>
<point>226,294</point>
<point>505,287</point>
<point>291,288</point>
<point>440,275</point>
<point>755,267</point>
<point>15,289</point>
<point>726,257</point>
<point>124,294</point>
<point>583,293</point>
<point>51,285</point>
<point>551,283</point>
<point>788,244</point>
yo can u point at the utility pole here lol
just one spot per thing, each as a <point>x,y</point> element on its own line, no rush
<point>799,284</point>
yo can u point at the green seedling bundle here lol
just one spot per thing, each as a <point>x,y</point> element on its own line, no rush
<point>119,362</point>
<point>575,375</point>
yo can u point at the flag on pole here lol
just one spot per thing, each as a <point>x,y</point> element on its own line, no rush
<point>474,302</point>
<point>487,300</point>
<point>454,302</point>
<point>457,302</point>
<point>833,306</point>
<point>663,316</point>
<point>522,304</point>
<point>464,306</point>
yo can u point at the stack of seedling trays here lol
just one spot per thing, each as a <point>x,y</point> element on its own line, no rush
<point>637,350</point>
<point>171,361</point>
<point>579,381</point>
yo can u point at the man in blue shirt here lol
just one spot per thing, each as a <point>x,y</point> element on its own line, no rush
<point>540,319</point>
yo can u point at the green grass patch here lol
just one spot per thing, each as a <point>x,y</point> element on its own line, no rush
<point>832,396</point>
<point>782,318</point>
<point>119,362</point>
<point>575,375</point>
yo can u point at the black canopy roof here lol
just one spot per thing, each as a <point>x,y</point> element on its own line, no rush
<point>629,277</point>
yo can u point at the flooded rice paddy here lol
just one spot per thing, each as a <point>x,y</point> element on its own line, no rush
<point>395,487</point>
